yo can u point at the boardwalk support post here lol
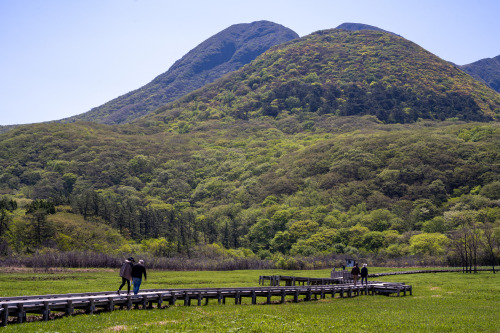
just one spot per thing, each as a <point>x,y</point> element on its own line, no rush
<point>5,314</point>
<point>283,296</point>
<point>68,311</point>
<point>91,306</point>
<point>21,314</point>
<point>46,311</point>
<point>111,304</point>
<point>160,300</point>
<point>237,299</point>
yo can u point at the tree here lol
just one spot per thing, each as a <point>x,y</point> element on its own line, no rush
<point>428,244</point>
<point>467,237</point>
<point>281,242</point>
<point>491,243</point>
<point>5,218</point>
<point>39,230</point>
<point>6,208</point>
<point>373,241</point>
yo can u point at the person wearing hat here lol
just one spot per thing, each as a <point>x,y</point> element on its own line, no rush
<point>126,274</point>
<point>364,274</point>
<point>137,271</point>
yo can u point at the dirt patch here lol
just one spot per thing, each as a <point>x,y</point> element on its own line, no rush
<point>435,288</point>
<point>118,328</point>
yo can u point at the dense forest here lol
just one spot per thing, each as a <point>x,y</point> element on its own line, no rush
<point>290,169</point>
<point>339,186</point>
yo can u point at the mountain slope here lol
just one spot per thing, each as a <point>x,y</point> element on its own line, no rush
<point>220,54</point>
<point>485,70</point>
<point>342,73</point>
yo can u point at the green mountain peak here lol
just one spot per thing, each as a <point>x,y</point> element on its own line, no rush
<point>343,73</point>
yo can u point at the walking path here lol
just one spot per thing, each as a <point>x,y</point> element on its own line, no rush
<point>16,309</point>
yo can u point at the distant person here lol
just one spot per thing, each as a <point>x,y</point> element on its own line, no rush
<point>126,274</point>
<point>355,273</point>
<point>137,271</point>
<point>343,267</point>
<point>364,274</point>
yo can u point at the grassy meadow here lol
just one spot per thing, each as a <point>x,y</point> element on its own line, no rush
<point>442,302</point>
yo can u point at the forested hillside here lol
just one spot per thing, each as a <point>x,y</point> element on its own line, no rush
<point>336,185</point>
<point>338,144</point>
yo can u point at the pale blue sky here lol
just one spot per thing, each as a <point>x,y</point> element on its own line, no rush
<point>63,57</point>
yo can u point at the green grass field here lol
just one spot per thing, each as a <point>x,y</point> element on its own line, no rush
<point>442,302</point>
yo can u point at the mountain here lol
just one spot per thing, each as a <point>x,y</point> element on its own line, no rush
<point>331,144</point>
<point>220,54</point>
<point>486,70</point>
<point>342,73</point>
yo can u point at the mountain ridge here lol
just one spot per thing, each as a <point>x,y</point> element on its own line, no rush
<point>486,70</point>
<point>220,54</point>
<point>344,73</point>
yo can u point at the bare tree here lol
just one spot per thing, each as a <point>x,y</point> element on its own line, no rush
<point>490,243</point>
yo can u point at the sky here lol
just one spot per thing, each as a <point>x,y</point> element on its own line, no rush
<point>60,58</point>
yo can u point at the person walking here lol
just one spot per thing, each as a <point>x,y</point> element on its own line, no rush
<point>355,273</point>
<point>126,274</point>
<point>364,274</point>
<point>137,271</point>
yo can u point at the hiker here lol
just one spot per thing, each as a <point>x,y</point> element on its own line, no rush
<point>364,274</point>
<point>126,274</point>
<point>137,271</point>
<point>355,273</point>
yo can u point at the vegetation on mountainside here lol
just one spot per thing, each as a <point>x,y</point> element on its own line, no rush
<point>486,70</point>
<point>341,73</point>
<point>339,186</point>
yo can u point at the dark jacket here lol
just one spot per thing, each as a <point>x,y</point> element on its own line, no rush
<point>355,270</point>
<point>138,270</point>
<point>364,272</point>
<point>126,269</point>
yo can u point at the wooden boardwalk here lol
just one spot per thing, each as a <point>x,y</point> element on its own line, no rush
<point>339,277</point>
<point>16,309</point>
